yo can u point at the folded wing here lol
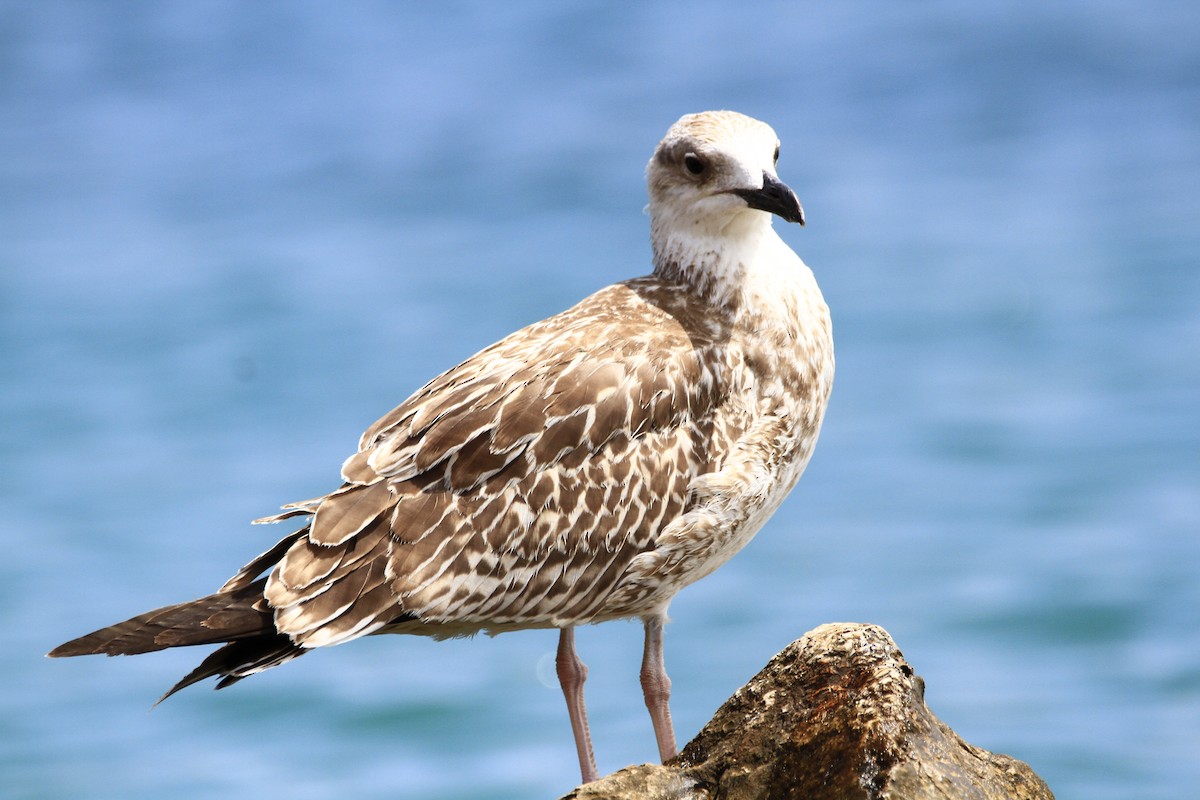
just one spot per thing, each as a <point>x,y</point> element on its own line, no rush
<point>514,490</point>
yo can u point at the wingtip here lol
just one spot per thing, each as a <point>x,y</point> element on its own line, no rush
<point>75,647</point>
<point>204,670</point>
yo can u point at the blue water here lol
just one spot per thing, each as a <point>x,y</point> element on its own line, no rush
<point>233,234</point>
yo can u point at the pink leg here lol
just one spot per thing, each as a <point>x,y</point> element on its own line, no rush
<point>656,687</point>
<point>571,674</point>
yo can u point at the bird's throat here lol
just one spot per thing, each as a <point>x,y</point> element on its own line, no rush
<point>715,262</point>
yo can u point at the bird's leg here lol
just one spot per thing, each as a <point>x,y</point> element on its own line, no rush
<point>571,674</point>
<point>656,687</point>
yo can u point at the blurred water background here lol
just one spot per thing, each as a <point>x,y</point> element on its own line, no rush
<point>233,234</point>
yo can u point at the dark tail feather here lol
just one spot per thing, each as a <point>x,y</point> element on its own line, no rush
<point>234,617</point>
<point>240,659</point>
<point>222,617</point>
<point>236,611</point>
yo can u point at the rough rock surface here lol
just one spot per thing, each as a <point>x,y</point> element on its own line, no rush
<point>838,715</point>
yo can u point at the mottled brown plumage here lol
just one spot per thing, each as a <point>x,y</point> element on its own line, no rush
<point>582,469</point>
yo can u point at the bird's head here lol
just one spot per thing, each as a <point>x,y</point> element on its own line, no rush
<point>714,172</point>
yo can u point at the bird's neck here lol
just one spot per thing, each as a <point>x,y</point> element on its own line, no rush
<point>722,263</point>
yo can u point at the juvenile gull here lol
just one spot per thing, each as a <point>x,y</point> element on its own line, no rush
<point>583,469</point>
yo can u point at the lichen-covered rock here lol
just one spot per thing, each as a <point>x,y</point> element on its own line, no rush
<point>838,715</point>
<point>643,781</point>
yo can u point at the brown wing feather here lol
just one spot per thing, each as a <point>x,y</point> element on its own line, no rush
<point>514,489</point>
<point>345,513</point>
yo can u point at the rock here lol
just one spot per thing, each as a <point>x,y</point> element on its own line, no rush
<point>644,782</point>
<point>838,715</point>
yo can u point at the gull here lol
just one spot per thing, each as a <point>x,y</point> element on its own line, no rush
<point>582,469</point>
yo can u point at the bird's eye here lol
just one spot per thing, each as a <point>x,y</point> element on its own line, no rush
<point>776,154</point>
<point>693,163</point>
